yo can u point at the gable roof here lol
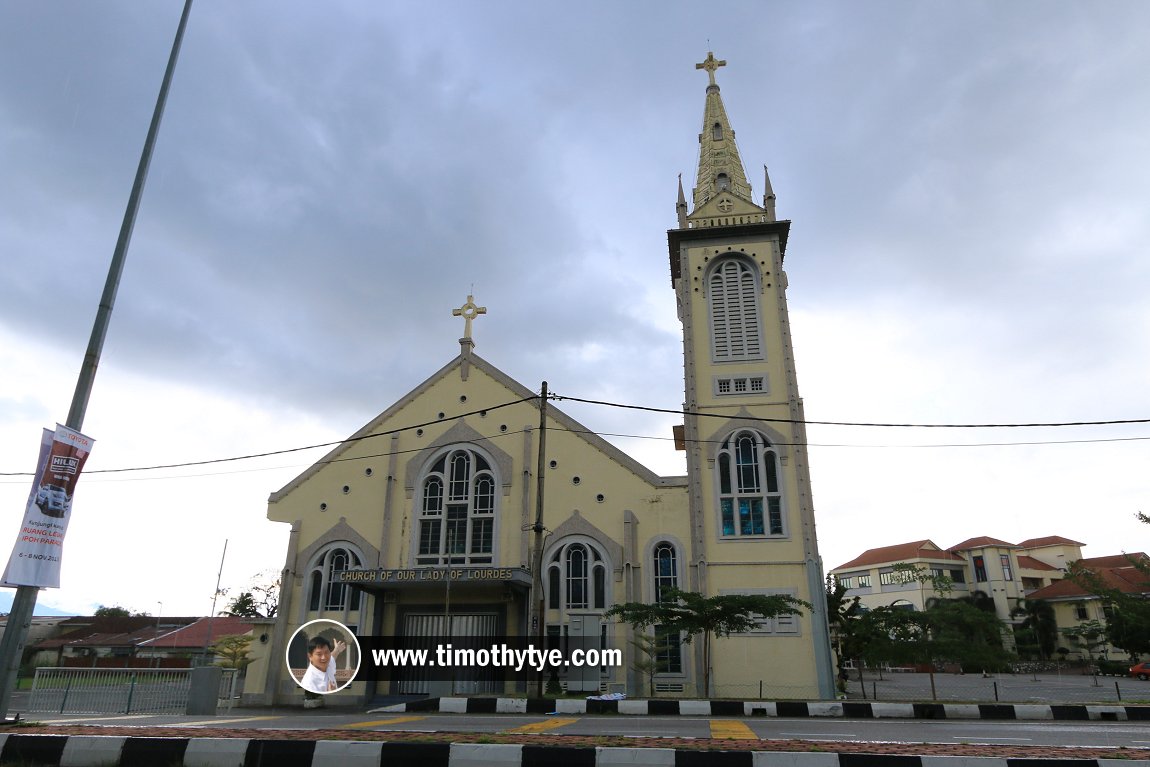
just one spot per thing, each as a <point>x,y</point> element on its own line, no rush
<point>981,541</point>
<point>1050,540</point>
<point>202,633</point>
<point>518,389</point>
<point>900,552</point>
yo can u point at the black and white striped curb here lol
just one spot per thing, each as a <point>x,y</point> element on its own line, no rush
<point>105,750</point>
<point>845,709</point>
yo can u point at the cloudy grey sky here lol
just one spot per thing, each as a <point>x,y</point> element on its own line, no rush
<point>968,185</point>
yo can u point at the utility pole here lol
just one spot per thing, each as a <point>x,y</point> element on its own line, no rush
<point>24,602</point>
<point>537,563</point>
<point>215,596</point>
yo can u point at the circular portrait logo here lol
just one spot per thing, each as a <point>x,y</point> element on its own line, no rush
<point>323,656</point>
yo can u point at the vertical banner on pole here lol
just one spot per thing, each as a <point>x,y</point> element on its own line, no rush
<point>35,559</point>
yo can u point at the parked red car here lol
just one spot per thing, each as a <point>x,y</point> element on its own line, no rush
<point>1142,671</point>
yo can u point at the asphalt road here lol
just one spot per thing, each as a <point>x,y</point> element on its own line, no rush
<point>833,730</point>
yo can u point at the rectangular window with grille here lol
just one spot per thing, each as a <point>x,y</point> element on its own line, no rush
<point>756,384</point>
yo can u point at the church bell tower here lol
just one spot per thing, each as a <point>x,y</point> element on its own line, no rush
<point>752,516</point>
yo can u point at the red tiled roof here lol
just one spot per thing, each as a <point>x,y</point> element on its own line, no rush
<point>1126,578</point>
<point>1030,563</point>
<point>1050,540</point>
<point>901,552</point>
<point>203,632</point>
<point>977,543</point>
<point>1114,560</point>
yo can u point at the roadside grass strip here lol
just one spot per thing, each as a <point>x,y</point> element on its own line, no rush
<point>544,726</point>
<point>731,728</point>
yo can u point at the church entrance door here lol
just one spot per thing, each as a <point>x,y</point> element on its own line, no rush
<point>462,630</point>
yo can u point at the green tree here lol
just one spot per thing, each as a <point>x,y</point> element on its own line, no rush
<point>1128,619</point>
<point>259,600</point>
<point>243,606</point>
<point>692,613</point>
<point>233,651</point>
<point>847,636</point>
<point>649,650</point>
<point>1039,628</point>
<point>948,631</point>
<point>115,611</point>
<point>1089,635</point>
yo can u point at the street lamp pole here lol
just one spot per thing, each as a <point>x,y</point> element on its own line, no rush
<point>24,602</point>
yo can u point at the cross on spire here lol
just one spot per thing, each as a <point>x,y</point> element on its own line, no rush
<point>468,312</point>
<point>711,64</point>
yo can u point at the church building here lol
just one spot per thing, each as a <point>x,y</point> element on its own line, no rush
<point>427,522</point>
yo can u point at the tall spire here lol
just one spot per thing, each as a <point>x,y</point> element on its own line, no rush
<point>720,168</point>
<point>768,195</point>
<point>681,205</point>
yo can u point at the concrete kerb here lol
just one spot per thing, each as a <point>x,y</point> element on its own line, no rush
<point>781,709</point>
<point>83,750</point>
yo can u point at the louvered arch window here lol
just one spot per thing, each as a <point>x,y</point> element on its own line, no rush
<point>733,298</point>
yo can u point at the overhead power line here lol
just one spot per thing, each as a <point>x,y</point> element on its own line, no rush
<point>644,408</point>
<point>853,423</point>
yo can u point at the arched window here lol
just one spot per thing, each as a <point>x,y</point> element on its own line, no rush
<point>577,577</point>
<point>457,510</point>
<point>733,297</point>
<point>668,645</point>
<point>717,132</point>
<point>750,501</point>
<point>324,592</point>
<point>666,570</point>
<point>722,182</point>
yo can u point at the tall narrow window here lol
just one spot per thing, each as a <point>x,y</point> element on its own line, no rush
<point>668,651</point>
<point>717,132</point>
<point>979,569</point>
<point>457,512</point>
<point>1004,560</point>
<point>577,576</point>
<point>666,573</point>
<point>733,295</point>
<point>750,501</point>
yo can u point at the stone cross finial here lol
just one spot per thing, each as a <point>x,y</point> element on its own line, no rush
<point>468,312</point>
<point>711,64</point>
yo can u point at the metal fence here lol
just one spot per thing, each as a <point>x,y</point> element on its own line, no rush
<point>119,691</point>
<point>1037,687</point>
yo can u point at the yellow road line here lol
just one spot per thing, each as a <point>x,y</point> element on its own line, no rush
<point>731,728</point>
<point>96,718</point>
<point>381,722</point>
<point>544,726</point>
<point>210,722</point>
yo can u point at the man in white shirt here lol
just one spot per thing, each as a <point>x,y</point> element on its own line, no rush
<point>321,655</point>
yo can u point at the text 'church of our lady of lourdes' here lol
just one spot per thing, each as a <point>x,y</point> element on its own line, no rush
<point>428,531</point>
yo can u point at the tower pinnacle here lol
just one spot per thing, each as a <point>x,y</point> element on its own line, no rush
<point>720,167</point>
